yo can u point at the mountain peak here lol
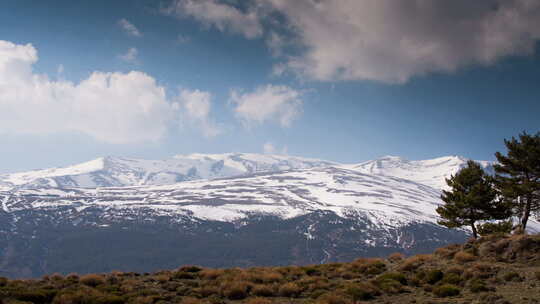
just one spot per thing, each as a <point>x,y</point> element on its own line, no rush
<point>121,171</point>
<point>392,158</point>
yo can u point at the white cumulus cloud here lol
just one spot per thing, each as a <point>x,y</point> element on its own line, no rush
<point>222,16</point>
<point>277,103</point>
<point>129,28</point>
<point>197,106</point>
<point>111,107</point>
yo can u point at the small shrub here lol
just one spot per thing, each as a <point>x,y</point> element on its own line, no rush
<point>452,278</point>
<point>512,276</point>
<point>207,291</point>
<point>396,257</point>
<point>333,298</point>
<point>211,274</point>
<point>499,228</point>
<point>86,295</point>
<point>263,291</point>
<point>190,300</point>
<point>215,300</point>
<point>290,290</point>
<point>455,269</point>
<point>235,290</point>
<point>312,271</point>
<point>264,276</point>
<point>480,270</point>
<point>317,293</point>
<point>446,290</point>
<point>34,296</point>
<point>321,284</point>
<point>92,280</point>
<point>391,282</point>
<point>141,300</point>
<point>182,275</point>
<point>447,252</point>
<point>362,291</point>
<point>349,275</point>
<point>3,281</point>
<point>258,301</point>
<point>501,245</point>
<point>110,299</point>
<point>72,277</point>
<point>389,286</point>
<point>477,285</point>
<point>415,262</point>
<point>371,266</point>
<point>464,257</point>
<point>395,276</point>
<point>433,276</point>
<point>190,268</point>
<point>162,278</point>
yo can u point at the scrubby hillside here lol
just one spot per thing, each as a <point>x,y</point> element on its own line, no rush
<point>495,269</point>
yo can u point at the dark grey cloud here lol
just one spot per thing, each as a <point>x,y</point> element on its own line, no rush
<point>381,40</point>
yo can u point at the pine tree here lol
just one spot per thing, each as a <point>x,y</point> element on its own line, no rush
<point>471,198</point>
<point>518,176</point>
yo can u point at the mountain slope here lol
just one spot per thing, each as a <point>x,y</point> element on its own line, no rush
<point>287,194</point>
<point>119,171</point>
<point>264,214</point>
<point>300,216</point>
<point>431,172</point>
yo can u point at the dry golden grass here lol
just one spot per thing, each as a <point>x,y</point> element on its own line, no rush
<point>191,300</point>
<point>261,290</point>
<point>290,290</point>
<point>396,257</point>
<point>235,290</point>
<point>92,280</point>
<point>258,301</point>
<point>414,262</point>
<point>334,298</point>
<point>509,270</point>
<point>211,274</point>
<point>464,257</point>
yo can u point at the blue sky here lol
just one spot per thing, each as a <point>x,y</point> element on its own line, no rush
<point>264,76</point>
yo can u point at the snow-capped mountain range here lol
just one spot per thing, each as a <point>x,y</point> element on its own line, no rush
<point>227,187</point>
<point>121,171</point>
<point>334,211</point>
<point>431,172</point>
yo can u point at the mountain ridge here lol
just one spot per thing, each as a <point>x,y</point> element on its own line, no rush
<point>273,210</point>
<point>122,171</point>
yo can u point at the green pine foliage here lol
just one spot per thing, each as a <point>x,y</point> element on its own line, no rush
<point>472,198</point>
<point>518,176</point>
<point>489,228</point>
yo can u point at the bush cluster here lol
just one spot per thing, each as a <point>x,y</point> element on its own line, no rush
<point>450,272</point>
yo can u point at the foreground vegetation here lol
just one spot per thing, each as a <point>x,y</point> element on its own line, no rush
<point>493,269</point>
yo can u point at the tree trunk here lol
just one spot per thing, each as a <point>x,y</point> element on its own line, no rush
<point>526,213</point>
<point>474,233</point>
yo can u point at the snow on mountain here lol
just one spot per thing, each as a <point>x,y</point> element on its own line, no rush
<point>120,171</point>
<point>384,200</point>
<point>431,172</point>
<point>228,187</point>
<point>311,210</point>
